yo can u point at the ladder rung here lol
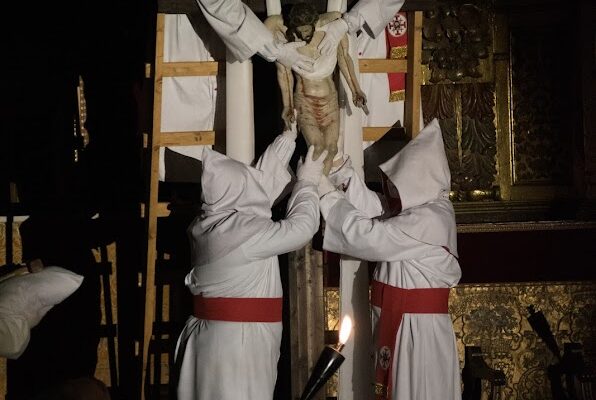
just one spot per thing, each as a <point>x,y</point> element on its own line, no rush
<point>185,138</point>
<point>381,65</point>
<point>206,138</point>
<point>374,133</point>
<point>162,210</point>
<point>196,68</point>
<point>206,68</point>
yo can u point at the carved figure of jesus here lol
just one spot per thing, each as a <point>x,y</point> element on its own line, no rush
<point>311,99</point>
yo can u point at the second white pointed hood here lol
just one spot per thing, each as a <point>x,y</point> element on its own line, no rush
<point>420,171</point>
<point>421,175</point>
<point>234,207</point>
<point>229,185</point>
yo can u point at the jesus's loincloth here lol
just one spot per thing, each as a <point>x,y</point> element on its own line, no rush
<point>316,111</point>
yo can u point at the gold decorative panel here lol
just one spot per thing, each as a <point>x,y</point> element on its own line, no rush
<point>17,250</point>
<point>331,309</point>
<point>466,116</point>
<point>493,316</point>
<point>457,42</point>
<point>541,126</point>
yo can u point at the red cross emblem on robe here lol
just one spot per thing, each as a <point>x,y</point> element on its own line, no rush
<point>396,33</point>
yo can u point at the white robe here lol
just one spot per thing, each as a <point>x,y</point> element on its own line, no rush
<point>238,27</point>
<point>376,14</point>
<point>409,252</point>
<point>382,112</point>
<point>235,248</point>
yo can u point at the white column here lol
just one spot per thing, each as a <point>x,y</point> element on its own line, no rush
<point>273,7</point>
<point>336,5</point>
<point>240,123</point>
<point>356,373</point>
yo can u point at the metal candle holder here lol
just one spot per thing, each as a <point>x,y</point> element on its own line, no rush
<point>328,362</point>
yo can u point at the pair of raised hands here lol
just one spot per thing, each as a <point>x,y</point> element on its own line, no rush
<point>288,55</point>
<point>340,173</point>
<point>311,169</point>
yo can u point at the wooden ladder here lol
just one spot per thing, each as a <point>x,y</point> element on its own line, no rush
<point>152,209</point>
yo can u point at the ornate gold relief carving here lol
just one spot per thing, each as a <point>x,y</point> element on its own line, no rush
<point>466,116</point>
<point>456,44</point>
<point>17,249</point>
<point>82,102</point>
<point>331,309</point>
<point>493,316</point>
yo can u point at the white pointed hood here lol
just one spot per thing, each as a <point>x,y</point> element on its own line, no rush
<point>420,171</point>
<point>235,207</point>
<point>421,175</point>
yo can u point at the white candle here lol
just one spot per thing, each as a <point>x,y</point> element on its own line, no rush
<point>273,7</point>
<point>336,5</point>
<point>240,126</point>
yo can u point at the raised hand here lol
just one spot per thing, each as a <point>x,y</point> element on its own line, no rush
<point>335,32</point>
<point>291,58</point>
<point>311,170</point>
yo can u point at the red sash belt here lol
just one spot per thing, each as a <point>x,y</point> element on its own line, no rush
<point>394,303</point>
<point>238,309</point>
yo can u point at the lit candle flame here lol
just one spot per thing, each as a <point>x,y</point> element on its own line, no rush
<point>344,332</point>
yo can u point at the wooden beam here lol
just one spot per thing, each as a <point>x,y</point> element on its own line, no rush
<point>381,65</point>
<point>372,134</point>
<point>414,75</point>
<point>165,139</point>
<point>151,211</point>
<point>161,211</point>
<point>307,319</point>
<point>198,68</point>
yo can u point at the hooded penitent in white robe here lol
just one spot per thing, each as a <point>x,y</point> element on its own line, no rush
<point>413,250</point>
<point>234,246</point>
